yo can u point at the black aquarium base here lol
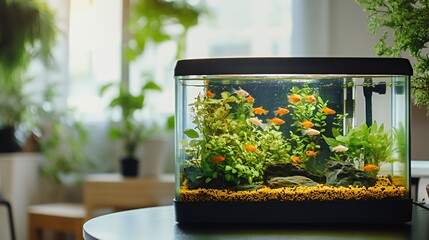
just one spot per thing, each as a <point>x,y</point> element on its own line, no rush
<point>371,211</point>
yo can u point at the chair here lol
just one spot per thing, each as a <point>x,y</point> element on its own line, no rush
<point>9,209</point>
<point>55,217</point>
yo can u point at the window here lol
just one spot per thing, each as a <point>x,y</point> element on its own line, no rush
<point>94,53</point>
<point>89,54</point>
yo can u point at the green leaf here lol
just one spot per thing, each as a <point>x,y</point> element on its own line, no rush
<point>115,133</point>
<point>170,122</point>
<point>225,95</point>
<point>152,85</point>
<point>194,143</point>
<point>335,132</point>
<point>191,133</point>
<point>331,142</point>
<point>104,88</point>
<point>184,143</point>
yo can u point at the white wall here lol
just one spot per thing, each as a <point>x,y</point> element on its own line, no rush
<point>348,30</point>
<point>335,28</point>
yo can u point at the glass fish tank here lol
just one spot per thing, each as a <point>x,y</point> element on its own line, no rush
<point>292,140</point>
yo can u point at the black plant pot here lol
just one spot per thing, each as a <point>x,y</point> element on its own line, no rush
<point>129,167</point>
<point>8,141</point>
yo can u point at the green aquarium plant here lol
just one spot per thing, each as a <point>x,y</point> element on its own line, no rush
<point>310,114</point>
<point>224,142</point>
<point>369,146</point>
<point>233,142</point>
<point>400,139</point>
<point>404,27</point>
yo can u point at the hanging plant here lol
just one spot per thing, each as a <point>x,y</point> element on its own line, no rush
<point>27,31</point>
<point>158,21</point>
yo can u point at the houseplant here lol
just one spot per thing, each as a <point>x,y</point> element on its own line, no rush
<point>27,31</point>
<point>61,137</point>
<point>150,23</point>
<point>404,26</point>
<point>157,21</point>
<point>129,129</point>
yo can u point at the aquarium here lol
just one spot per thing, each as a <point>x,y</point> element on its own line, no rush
<point>288,140</point>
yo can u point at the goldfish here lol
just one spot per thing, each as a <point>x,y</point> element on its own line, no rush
<point>257,122</point>
<point>241,92</point>
<point>210,94</point>
<point>339,148</point>
<point>259,110</point>
<point>281,111</point>
<point>370,167</point>
<point>276,121</point>
<point>294,98</point>
<point>307,124</point>
<point>310,153</point>
<point>251,148</point>
<point>310,131</point>
<point>310,98</point>
<point>328,111</point>
<point>296,159</point>
<point>250,99</point>
<point>218,159</point>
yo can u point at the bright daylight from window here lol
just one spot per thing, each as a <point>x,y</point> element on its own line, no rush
<point>89,48</point>
<point>233,28</point>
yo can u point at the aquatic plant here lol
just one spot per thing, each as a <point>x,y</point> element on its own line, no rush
<point>273,146</point>
<point>400,139</point>
<point>369,146</point>
<point>231,146</point>
<point>226,142</point>
<point>310,114</point>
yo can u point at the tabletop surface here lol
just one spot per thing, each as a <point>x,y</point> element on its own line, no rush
<point>159,223</point>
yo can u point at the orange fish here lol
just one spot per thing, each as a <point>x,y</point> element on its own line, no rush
<point>294,98</point>
<point>251,148</point>
<point>210,94</point>
<point>310,153</point>
<point>218,159</point>
<point>328,111</point>
<point>276,121</point>
<point>259,110</point>
<point>307,124</point>
<point>370,167</point>
<point>281,111</point>
<point>310,98</point>
<point>250,99</point>
<point>296,159</point>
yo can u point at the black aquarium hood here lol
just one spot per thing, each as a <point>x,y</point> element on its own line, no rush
<point>294,65</point>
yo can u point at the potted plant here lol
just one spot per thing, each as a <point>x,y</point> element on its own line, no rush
<point>150,22</point>
<point>404,25</point>
<point>27,31</point>
<point>61,138</point>
<point>129,129</point>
